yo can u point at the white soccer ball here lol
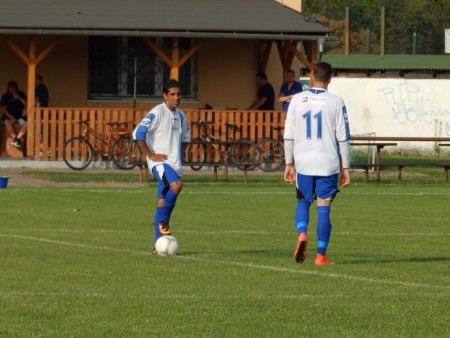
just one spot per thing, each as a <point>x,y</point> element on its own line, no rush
<point>166,246</point>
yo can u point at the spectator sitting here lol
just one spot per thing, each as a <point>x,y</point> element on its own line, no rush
<point>289,89</point>
<point>13,104</point>
<point>265,99</point>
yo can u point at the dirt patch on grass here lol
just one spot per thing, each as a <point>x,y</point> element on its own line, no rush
<point>19,177</point>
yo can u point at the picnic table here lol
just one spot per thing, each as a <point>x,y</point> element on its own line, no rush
<point>379,145</point>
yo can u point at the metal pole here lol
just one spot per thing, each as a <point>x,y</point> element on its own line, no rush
<point>382,29</point>
<point>368,42</point>
<point>134,83</point>
<point>414,51</point>
<point>347,31</point>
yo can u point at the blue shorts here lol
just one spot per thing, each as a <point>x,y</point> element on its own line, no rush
<point>165,175</point>
<point>312,187</point>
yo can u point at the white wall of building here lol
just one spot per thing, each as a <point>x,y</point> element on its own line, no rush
<point>396,107</point>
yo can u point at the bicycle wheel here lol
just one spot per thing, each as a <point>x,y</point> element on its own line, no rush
<point>244,151</point>
<point>126,153</point>
<point>78,153</point>
<point>196,152</point>
<point>271,154</point>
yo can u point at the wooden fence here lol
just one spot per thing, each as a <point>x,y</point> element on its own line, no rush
<point>53,126</point>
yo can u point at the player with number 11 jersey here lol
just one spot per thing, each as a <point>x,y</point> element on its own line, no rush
<point>316,125</point>
<point>318,119</point>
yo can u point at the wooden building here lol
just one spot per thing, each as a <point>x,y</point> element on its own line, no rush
<point>115,55</point>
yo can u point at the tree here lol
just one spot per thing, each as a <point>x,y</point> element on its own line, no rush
<point>428,18</point>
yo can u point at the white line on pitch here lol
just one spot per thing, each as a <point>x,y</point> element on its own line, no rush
<point>77,245</point>
<point>171,295</point>
<point>293,192</point>
<point>317,273</point>
<point>236,232</point>
<point>240,264</point>
<point>134,191</point>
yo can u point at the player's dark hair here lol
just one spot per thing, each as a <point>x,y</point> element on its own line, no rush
<point>322,72</point>
<point>261,75</point>
<point>39,77</point>
<point>171,84</point>
<point>290,71</point>
<point>13,84</point>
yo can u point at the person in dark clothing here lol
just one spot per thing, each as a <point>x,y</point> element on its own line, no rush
<point>13,104</point>
<point>265,99</point>
<point>41,92</point>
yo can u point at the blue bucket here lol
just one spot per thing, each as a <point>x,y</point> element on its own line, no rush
<point>3,182</point>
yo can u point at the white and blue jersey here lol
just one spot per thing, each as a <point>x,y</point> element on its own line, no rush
<point>317,123</point>
<point>164,132</point>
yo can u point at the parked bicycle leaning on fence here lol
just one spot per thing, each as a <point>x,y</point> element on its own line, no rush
<point>118,146</point>
<point>208,149</point>
<point>271,152</point>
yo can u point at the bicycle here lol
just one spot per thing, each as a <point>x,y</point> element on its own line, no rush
<point>238,152</point>
<point>118,146</point>
<point>271,152</point>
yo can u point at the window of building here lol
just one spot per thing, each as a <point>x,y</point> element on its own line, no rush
<point>122,67</point>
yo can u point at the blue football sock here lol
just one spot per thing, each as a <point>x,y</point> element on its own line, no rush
<point>302,216</point>
<point>156,224</point>
<point>323,228</point>
<point>169,204</point>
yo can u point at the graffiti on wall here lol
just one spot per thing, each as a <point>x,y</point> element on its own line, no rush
<point>409,105</point>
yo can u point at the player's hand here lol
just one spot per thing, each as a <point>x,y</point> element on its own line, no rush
<point>345,177</point>
<point>289,174</point>
<point>157,157</point>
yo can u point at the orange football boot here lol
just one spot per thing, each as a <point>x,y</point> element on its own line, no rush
<point>322,260</point>
<point>164,228</point>
<point>300,250</point>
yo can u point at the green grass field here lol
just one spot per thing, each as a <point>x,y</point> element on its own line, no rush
<point>76,262</point>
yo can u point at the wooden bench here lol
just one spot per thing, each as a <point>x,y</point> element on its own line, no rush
<point>446,170</point>
<point>367,166</point>
<point>217,165</point>
<point>143,165</point>
<point>400,167</point>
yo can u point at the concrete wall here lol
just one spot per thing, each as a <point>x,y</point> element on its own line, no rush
<point>397,107</point>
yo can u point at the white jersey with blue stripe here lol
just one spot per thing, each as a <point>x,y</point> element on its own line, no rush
<point>164,132</point>
<point>316,122</point>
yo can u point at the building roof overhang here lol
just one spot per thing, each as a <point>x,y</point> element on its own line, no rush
<point>249,19</point>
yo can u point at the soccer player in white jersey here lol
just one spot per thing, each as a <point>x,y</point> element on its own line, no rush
<point>316,126</point>
<point>161,136</point>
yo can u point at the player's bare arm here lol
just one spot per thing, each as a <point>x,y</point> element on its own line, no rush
<point>289,173</point>
<point>345,177</point>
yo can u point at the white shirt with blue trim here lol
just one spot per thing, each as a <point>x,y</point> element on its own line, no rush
<point>317,123</point>
<point>164,132</point>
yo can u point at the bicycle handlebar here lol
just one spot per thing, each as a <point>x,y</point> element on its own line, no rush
<point>201,123</point>
<point>117,123</point>
<point>84,121</point>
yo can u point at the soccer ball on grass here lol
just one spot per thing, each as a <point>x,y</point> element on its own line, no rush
<point>166,246</point>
